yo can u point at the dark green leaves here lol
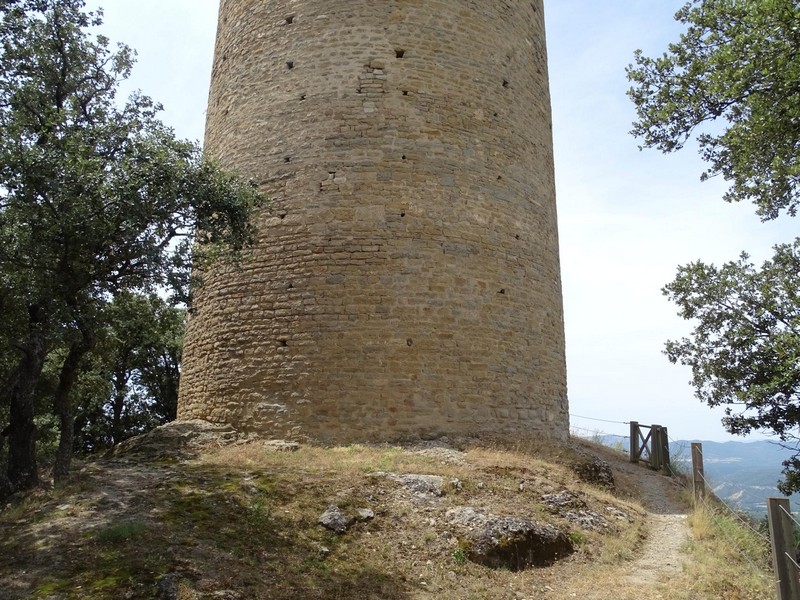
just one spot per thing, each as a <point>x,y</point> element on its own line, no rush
<point>733,81</point>
<point>98,199</point>
<point>744,350</point>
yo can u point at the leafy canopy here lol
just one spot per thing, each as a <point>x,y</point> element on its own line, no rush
<point>97,198</point>
<point>732,82</point>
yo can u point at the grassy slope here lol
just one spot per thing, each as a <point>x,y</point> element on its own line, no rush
<point>241,522</point>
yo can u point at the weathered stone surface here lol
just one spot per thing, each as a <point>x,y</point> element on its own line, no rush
<point>595,471</point>
<point>405,281</point>
<point>179,439</point>
<point>171,587</point>
<point>281,446</point>
<point>365,514</point>
<point>508,542</point>
<point>563,501</point>
<point>167,588</point>
<point>572,507</point>
<point>336,520</point>
<point>419,485</point>
<point>619,515</point>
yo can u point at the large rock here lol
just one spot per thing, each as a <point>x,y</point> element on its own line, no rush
<point>595,471</point>
<point>508,542</point>
<point>177,440</point>
<point>336,520</point>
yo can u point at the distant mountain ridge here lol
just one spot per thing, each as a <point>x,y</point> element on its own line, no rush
<point>743,474</point>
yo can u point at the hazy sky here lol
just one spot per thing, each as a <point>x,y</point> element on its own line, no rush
<point>626,218</point>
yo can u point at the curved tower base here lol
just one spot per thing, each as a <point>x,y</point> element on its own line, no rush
<point>406,279</point>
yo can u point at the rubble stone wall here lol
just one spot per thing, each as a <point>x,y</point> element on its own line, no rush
<point>406,278</point>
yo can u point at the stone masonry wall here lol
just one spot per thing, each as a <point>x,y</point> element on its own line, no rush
<point>406,279</point>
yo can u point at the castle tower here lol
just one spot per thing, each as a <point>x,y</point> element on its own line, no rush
<point>406,278</point>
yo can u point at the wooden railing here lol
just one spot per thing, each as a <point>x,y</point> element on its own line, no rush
<point>652,449</point>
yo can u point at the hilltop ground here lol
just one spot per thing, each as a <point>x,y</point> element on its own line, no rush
<point>192,511</point>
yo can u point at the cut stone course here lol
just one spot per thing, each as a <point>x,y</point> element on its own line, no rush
<point>405,282</point>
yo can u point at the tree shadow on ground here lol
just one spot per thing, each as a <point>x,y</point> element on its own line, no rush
<point>123,529</point>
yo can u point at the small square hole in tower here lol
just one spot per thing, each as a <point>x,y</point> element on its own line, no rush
<point>290,19</point>
<point>399,53</point>
<point>290,64</point>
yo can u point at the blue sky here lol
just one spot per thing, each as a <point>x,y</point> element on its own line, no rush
<point>626,218</point>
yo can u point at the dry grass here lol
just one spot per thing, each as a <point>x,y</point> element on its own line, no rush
<point>244,519</point>
<point>728,559</point>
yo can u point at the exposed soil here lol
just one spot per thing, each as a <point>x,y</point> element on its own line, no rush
<point>196,521</point>
<point>668,531</point>
<point>660,556</point>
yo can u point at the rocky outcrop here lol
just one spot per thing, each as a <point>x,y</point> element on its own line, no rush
<point>595,471</point>
<point>424,486</point>
<point>338,521</point>
<point>507,542</point>
<point>177,440</point>
<point>335,519</point>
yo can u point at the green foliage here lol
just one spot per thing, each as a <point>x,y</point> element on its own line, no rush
<point>130,383</point>
<point>98,199</point>
<point>578,538</point>
<point>258,515</point>
<point>744,349</point>
<point>734,80</point>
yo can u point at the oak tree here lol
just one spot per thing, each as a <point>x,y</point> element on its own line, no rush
<point>731,83</point>
<point>97,196</point>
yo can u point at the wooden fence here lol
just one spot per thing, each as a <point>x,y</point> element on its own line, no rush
<point>651,449</point>
<point>781,532</point>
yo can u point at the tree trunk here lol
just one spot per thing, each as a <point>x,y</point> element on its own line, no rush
<point>63,408</point>
<point>23,472</point>
<point>120,379</point>
<point>5,484</point>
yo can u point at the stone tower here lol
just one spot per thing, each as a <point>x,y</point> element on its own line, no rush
<point>406,278</point>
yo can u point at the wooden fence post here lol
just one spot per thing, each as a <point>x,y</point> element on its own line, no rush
<point>781,534</point>
<point>698,481</point>
<point>656,460</point>
<point>666,466</point>
<point>634,441</point>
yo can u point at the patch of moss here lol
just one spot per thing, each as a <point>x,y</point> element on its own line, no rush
<point>48,588</point>
<point>121,532</point>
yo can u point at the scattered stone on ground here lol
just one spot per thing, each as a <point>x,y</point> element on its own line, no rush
<point>336,520</point>
<point>365,514</point>
<point>444,455</point>
<point>425,486</point>
<point>167,588</point>
<point>281,446</point>
<point>618,514</point>
<point>507,542</point>
<point>572,507</point>
<point>562,501</point>
<point>182,440</point>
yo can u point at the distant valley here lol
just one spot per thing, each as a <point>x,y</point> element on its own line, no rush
<point>743,474</point>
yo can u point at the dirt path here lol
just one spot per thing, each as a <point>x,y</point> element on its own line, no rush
<point>661,556</point>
